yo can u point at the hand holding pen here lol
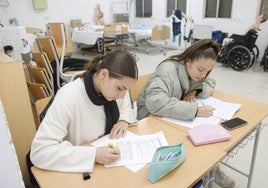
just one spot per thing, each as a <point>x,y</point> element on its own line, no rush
<point>205,110</point>
<point>107,154</point>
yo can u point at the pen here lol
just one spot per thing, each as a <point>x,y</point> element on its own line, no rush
<point>212,113</point>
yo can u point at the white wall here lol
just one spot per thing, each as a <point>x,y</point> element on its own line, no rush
<point>58,10</point>
<point>243,15</point>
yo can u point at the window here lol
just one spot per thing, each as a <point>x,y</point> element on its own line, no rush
<point>143,8</point>
<point>175,5</point>
<point>264,7</point>
<point>218,8</point>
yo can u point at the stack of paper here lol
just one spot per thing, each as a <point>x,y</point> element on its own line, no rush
<point>134,149</point>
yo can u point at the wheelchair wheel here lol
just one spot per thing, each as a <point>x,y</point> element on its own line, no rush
<point>256,51</point>
<point>254,55</point>
<point>253,58</point>
<point>239,58</point>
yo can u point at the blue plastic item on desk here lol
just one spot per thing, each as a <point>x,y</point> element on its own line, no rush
<point>166,159</point>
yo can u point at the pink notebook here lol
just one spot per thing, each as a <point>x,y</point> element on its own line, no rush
<point>206,134</point>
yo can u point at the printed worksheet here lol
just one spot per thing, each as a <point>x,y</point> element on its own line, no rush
<point>212,120</point>
<point>135,149</point>
<point>223,111</point>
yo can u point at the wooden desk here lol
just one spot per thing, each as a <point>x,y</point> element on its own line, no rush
<point>199,161</point>
<point>252,111</point>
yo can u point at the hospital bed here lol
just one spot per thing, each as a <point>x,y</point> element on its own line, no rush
<point>88,37</point>
<point>141,36</point>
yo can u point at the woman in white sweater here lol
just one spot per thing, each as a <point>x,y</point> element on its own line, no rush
<point>83,110</point>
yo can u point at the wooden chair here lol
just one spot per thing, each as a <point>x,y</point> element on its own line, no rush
<point>116,27</point>
<point>137,87</point>
<point>54,30</point>
<point>42,61</point>
<point>59,62</point>
<point>33,30</point>
<point>41,76</point>
<point>44,45</point>
<point>76,23</point>
<point>161,32</point>
<point>110,39</point>
<point>38,91</point>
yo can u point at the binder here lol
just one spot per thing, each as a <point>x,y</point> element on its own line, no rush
<point>207,134</point>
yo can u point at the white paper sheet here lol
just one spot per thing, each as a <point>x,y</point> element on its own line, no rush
<point>134,149</point>
<point>212,120</point>
<point>223,110</point>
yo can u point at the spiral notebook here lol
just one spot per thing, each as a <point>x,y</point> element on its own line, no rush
<point>207,134</point>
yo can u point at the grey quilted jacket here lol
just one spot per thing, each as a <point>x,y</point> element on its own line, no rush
<point>163,92</point>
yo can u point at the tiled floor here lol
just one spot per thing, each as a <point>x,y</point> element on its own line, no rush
<point>252,84</point>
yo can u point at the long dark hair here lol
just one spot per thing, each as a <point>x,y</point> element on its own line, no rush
<point>205,48</point>
<point>120,63</point>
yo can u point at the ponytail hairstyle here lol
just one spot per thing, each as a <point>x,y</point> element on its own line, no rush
<point>120,63</point>
<point>205,48</point>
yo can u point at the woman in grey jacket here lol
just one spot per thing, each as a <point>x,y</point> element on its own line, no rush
<point>172,88</point>
<point>177,81</point>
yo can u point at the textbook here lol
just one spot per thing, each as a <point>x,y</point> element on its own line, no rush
<point>207,134</point>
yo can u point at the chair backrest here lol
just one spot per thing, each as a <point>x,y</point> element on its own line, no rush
<point>44,45</point>
<point>54,30</point>
<point>137,87</point>
<point>33,30</point>
<point>41,76</point>
<point>121,27</point>
<point>42,60</point>
<point>76,23</point>
<point>38,91</point>
<point>250,38</point>
<point>48,45</point>
<point>161,32</point>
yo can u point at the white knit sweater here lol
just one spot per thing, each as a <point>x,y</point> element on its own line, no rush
<point>71,121</point>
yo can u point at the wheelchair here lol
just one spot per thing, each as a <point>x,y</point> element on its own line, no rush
<point>241,52</point>
<point>264,61</point>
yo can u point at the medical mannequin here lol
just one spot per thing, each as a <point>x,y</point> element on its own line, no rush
<point>100,16</point>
